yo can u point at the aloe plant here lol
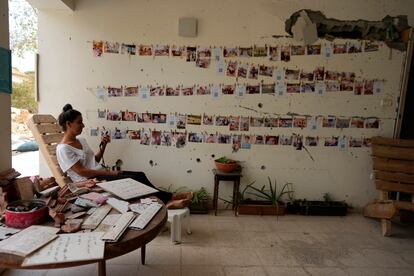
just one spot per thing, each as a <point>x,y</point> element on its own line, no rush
<point>200,195</point>
<point>271,194</point>
<point>170,189</point>
<point>241,196</point>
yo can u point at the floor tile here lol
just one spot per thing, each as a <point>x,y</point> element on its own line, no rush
<point>238,257</point>
<point>23,272</point>
<point>328,271</point>
<point>159,270</point>
<point>163,255</point>
<point>275,256</point>
<point>122,270</point>
<point>197,255</point>
<point>84,270</point>
<point>371,271</point>
<point>245,271</point>
<point>201,270</point>
<point>285,271</point>
<point>307,256</point>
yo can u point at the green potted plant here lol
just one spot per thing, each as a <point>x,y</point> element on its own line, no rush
<point>269,201</point>
<point>225,164</point>
<point>199,203</point>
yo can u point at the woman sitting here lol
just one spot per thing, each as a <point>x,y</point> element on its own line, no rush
<point>77,159</point>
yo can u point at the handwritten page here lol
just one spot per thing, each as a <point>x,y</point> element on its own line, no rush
<point>108,222</point>
<point>116,231</point>
<point>96,217</point>
<point>69,248</point>
<point>127,188</point>
<point>6,232</point>
<point>28,240</point>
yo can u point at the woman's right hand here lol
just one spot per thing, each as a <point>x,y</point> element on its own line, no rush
<point>115,172</point>
<point>105,140</point>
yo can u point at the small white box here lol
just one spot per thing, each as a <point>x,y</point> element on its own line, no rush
<point>187,27</point>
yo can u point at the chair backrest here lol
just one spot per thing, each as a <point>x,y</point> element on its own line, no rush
<point>393,161</point>
<point>48,134</point>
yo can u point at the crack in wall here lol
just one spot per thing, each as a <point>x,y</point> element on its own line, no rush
<point>389,29</point>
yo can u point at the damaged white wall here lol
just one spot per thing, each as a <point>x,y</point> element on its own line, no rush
<point>68,68</point>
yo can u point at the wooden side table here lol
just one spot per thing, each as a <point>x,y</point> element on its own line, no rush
<point>225,176</point>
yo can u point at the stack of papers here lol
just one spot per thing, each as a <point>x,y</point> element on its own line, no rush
<point>28,240</point>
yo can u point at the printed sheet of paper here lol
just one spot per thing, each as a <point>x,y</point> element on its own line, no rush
<point>328,51</point>
<point>101,93</point>
<point>280,88</point>
<point>144,93</point>
<point>96,217</point>
<point>116,231</point>
<point>127,188</point>
<point>119,205</point>
<point>108,222</point>
<point>6,232</point>
<point>69,248</point>
<point>28,240</point>
<point>279,74</point>
<point>320,88</point>
<point>240,90</point>
<point>378,86</point>
<point>216,91</point>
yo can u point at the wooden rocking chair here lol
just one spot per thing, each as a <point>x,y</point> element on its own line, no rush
<point>48,134</point>
<point>393,161</point>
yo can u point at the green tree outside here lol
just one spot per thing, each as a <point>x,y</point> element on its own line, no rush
<point>23,39</point>
<point>23,94</point>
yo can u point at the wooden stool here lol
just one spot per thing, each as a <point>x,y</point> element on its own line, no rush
<point>225,176</point>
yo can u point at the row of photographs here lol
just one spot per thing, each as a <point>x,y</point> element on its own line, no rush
<point>194,53</point>
<point>180,139</point>
<point>242,123</point>
<point>363,87</point>
<point>252,71</point>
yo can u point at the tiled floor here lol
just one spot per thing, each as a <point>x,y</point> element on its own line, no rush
<point>254,245</point>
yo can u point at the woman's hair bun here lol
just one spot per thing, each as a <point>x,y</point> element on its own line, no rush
<point>67,107</point>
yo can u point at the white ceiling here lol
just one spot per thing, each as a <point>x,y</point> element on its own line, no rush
<point>68,5</point>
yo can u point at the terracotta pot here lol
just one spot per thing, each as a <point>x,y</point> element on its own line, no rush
<point>226,167</point>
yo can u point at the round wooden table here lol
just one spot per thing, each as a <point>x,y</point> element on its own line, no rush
<point>130,241</point>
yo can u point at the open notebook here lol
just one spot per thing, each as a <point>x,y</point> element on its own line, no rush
<point>127,188</point>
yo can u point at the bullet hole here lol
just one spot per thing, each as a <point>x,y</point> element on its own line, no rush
<point>142,70</point>
<point>70,38</point>
<point>212,156</point>
<point>189,171</point>
<point>155,164</point>
<point>151,163</point>
<point>263,167</point>
<point>260,105</point>
<point>198,160</point>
